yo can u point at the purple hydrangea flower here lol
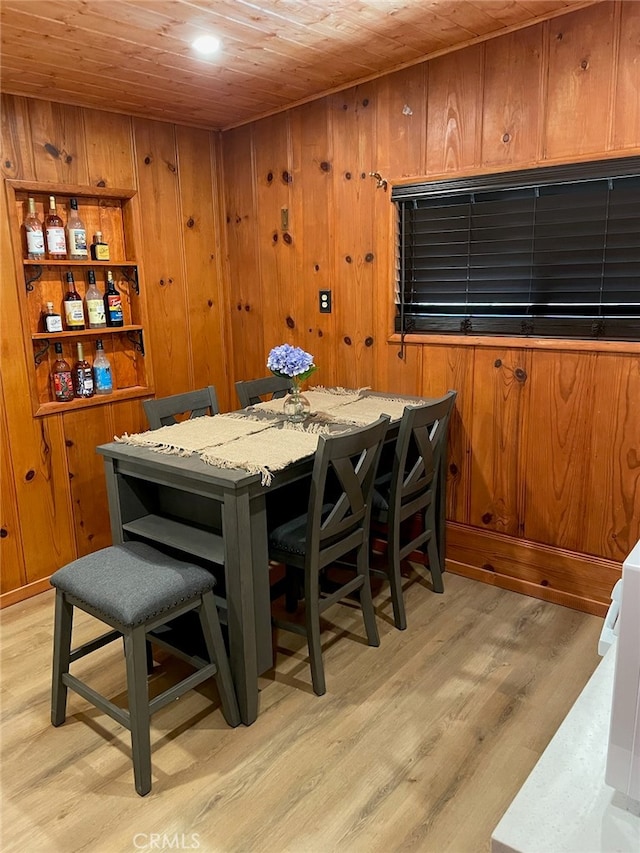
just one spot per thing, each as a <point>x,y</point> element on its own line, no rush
<point>286,360</point>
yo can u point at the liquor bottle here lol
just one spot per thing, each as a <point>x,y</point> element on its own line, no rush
<point>34,233</point>
<point>61,377</point>
<point>113,303</point>
<point>73,310</point>
<point>95,304</point>
<point>54,231</point>
<point>82,375</point>
<point>102,371</point>
<point>51,321</point>
<point>76,233</point>
<point>99,249</point>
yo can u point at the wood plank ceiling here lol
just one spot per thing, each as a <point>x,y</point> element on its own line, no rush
<point>136,57</point>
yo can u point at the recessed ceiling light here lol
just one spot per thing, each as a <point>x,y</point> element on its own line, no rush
<point>206,44</point>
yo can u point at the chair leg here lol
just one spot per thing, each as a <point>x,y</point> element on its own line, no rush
<point>63,625</point>
<point>312,623</point>
<point>434,565</point>
<point>395,580</point>
<point>366,599</point>
<point>218,653</point>
<point>139,718</point>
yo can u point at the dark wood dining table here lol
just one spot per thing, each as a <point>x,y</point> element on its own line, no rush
<point>219,515</point>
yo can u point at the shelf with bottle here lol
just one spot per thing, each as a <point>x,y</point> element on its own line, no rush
<point>111,217</point>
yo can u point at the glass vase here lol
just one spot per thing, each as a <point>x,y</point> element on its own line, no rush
<point>296,407</point>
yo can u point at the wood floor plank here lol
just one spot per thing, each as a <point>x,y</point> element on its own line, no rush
<point>418,745</point>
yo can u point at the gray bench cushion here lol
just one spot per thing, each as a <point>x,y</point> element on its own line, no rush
<point>132,583</point>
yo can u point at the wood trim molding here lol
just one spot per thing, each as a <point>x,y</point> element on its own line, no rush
<point>22,593</point>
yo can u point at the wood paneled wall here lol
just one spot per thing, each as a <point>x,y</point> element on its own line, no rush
<point>544,479</point>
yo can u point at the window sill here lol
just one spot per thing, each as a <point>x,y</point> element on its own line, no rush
<point>504,342</point>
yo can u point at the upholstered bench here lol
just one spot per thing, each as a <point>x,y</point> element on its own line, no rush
<point>135,588</point>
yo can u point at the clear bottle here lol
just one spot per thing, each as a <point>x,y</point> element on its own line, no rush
<point>61,377</point>
<point>95,304</point>
<point>113,303</point>
<point>102,371</point>
<point>99,249</point>
<point>73,310</point>
<point>51,320</point>
<point>82,375</point>
<point>34,233</point>
<point>76,233</point>
<point>54,232</point>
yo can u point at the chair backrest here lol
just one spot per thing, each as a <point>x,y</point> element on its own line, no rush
<point>163,410</point>
<point>251,391</point>
<point>421,439</point>
<point>341,488</point>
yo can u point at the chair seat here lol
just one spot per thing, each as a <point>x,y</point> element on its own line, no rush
<point>132,583</point>
<point>379,501</point>
<point>292,535</point>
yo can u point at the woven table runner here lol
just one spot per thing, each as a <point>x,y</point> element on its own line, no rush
<point>366,410</point>
<point>272,450</point>
<point>322,400</point>
<point>195,435</point>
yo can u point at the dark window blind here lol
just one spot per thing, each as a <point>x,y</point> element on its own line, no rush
<point>551,251</point>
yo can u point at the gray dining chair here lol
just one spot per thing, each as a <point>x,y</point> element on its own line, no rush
<point>163,410</point>
<point>336,523</point>
<point>253,391</point>
<point>410,488</point>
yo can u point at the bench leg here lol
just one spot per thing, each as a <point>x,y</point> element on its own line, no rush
<point>61,655</point>
<point>139,718</point>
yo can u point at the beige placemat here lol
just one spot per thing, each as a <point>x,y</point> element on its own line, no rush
<point>195,435</point>
<point>321,400</point>
<point>366,410</point>
<point>270,451</point>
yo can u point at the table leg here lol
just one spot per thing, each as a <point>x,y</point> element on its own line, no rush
<point>246,559</point>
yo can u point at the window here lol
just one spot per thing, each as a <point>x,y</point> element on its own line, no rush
<point>546,252</point>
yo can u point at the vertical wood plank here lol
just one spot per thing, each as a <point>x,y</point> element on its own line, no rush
<point>12,569</point>
<point>580,81</point>
<point>109,145</point>
<point>357,261</point>
<point>206,310</point>
<point>613,472</point>
<point>313,218</point>
<point>558,449</point>
<point>511,106</point>
<point>243,259</point>
<point>16,156</point>
<point>84,430</point>
<point>58,142</point>
<point>401,123</point>
<point>500,386</point>
<point>626,108</point>
<point>454,110</point>
<point>283,299</point>
<point>451,369</point>
<point>162,255</point>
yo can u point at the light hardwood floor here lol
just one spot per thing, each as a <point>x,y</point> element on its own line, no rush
<point>419,745</point>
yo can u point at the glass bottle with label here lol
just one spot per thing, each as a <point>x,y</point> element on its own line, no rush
<point>34,233</point>
<point>51,320</point>
<point>61,377</point>
<point>95,304</point>
<point>99,249</point>
<point>54,233</point>
<point>73,310</point>
<point>113,303</point>
<point>102,371</point>
<point>76,233</point>
<point>82,375</point>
